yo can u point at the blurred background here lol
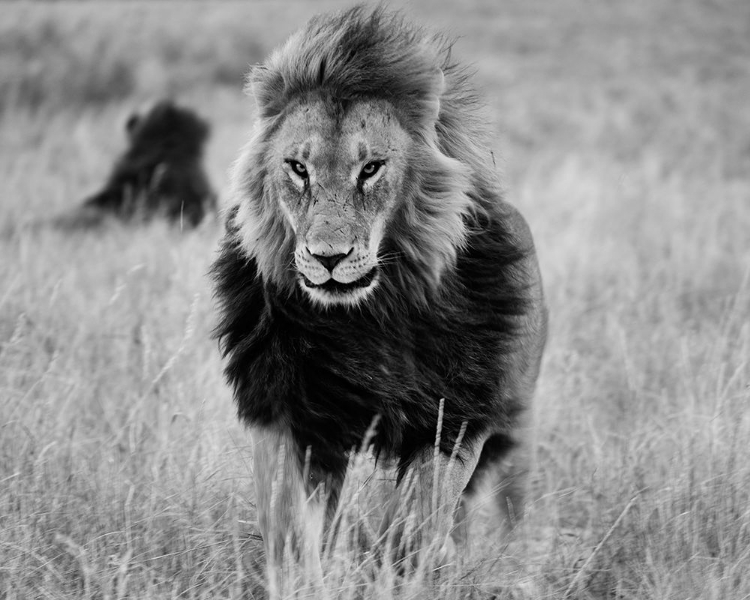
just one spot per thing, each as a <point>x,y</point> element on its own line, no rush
<point>622,132</point>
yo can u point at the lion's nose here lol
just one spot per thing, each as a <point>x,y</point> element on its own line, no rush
<point>329,261</point>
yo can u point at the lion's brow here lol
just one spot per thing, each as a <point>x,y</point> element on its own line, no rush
<point>362,151</point>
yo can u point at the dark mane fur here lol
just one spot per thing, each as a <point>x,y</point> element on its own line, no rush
<point>327,373</point>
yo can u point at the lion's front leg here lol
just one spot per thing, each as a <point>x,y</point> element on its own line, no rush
<point>420,516</point>
<point>290,514</point>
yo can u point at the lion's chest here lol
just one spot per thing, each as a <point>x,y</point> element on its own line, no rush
<point>331,380</point>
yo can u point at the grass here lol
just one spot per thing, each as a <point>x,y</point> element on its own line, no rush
<point>623,131</point>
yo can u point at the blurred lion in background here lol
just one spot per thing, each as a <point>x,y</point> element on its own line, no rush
<point>160,174</point>
<point>371,270</point>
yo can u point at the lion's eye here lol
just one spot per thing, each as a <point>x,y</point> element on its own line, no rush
<point>370,169</point>
<point>298,168</point>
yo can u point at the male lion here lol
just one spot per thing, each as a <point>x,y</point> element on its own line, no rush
<point>371,268</point>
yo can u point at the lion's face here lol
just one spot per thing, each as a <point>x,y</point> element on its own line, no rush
<point>336,174</point>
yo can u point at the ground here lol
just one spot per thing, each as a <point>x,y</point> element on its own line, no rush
<point>623,134</point>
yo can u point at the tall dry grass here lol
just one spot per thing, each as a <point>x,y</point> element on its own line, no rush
<point>624,134</point>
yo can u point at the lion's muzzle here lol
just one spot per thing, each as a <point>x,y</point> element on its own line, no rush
<point>329,261</point>
<point>334,277</point>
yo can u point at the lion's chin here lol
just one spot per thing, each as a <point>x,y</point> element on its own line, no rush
<point>334,292</point>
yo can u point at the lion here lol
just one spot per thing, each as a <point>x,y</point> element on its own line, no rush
<point>160,174</point>
<point>371,270</point>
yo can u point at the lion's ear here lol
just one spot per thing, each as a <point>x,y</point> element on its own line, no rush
<point>131,124</point>
<point>424,109</point>
<point>267,87</point>
<point>437,87</point>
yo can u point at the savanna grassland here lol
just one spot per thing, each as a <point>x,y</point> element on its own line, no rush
<point>623,134</point>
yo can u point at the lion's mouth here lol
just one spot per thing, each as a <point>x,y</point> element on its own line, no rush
<point>338,288</point>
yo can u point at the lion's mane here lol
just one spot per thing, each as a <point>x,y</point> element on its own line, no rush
<point>455,278</point>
